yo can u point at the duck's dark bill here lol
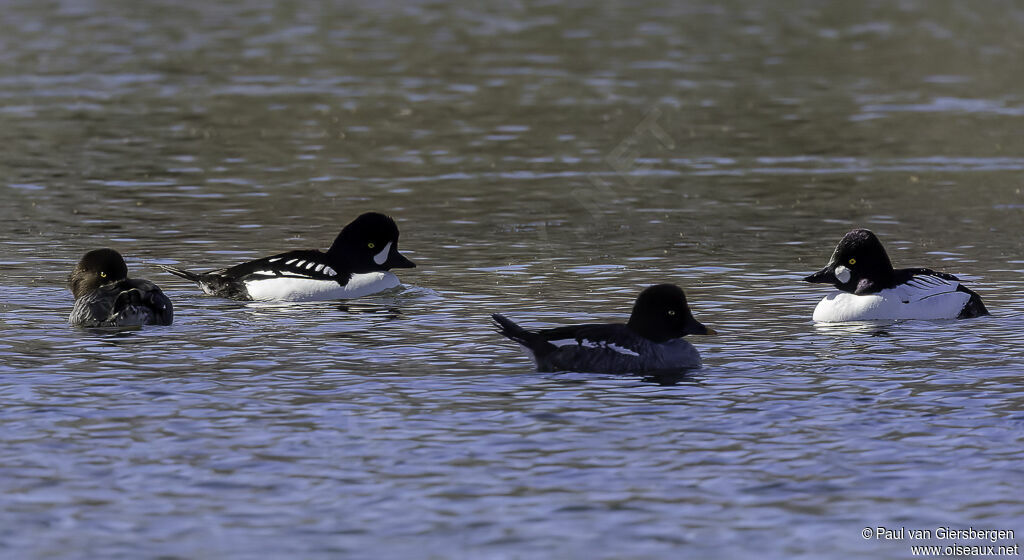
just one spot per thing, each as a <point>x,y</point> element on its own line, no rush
<point>398,260</point>
<point>824,276</point>
<point>696,327</point>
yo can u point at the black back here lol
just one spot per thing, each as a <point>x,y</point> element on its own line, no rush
<point>301,263</point>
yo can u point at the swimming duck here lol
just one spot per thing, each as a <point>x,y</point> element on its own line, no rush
<point>869,288</point>
<point>106,297</point>
<point>650,341</point>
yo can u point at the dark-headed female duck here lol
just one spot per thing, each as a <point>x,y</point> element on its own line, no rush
<point>106,297</point>
<point>650,342</point>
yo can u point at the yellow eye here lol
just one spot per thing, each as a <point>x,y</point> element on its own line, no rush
<point>852,261</point>
<point>370,245</point>
<point>103,275</point>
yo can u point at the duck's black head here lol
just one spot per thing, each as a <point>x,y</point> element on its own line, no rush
<point>661,313</point>
<point>369,244</point>
<point>859,265</point>
<point>97,267</point>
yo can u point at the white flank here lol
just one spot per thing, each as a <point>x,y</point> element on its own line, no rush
<point>843,274</point>
<point>290,288</point>
<point>382,256</point>
<point>923,297</point>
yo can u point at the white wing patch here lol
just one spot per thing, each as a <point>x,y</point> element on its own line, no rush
<point>329,271</point>
<point>594,344</point>
<point>275,259</point>
<point>289,262</point>
<point>622,350</point>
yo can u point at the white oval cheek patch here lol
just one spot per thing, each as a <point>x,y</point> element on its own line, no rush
<point>382,256</point>
<point>843,274</point>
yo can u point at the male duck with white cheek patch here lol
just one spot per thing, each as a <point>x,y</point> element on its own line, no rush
<point>356,265</point>
<point>871,289</point>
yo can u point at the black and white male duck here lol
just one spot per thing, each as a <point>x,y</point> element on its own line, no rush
<point>356,265</point>
<point>869,288</point>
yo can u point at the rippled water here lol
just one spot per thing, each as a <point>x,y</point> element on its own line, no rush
<point>546,161</point>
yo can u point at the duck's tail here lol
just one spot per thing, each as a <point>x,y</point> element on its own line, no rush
<point>974,306</point>
<point>190,276</point>
<point>511,330</point>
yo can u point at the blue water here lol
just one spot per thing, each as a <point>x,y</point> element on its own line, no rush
<point>544,161</point>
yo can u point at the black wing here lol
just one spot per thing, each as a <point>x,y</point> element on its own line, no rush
<point>293,264</point>
<point>145,301</point>
<point>550,340</point>
<point>593,332</point>
<point>919,277</point>
<point>593,340</point>
<point>607,348</point>
<point>904,274</point>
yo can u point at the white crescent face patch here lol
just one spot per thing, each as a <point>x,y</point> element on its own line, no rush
<point>843,274</point>
<point>382,256</point>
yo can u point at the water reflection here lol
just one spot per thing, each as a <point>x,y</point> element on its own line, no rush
<point>870,328</point>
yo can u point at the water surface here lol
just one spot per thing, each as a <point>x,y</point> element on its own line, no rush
<point>547,161</point>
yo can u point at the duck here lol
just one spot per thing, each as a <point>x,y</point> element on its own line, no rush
<point>868,288</point>
<point>357,264</point>
<point>106,297</point>
<point>651,341</point>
